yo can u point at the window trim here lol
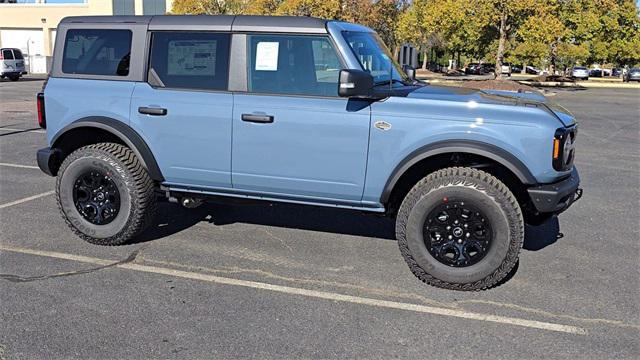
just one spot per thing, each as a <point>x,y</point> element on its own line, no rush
<point>136,64</point>
<point>147,63</point>
<point>248,58</point>
<point>64,51</point>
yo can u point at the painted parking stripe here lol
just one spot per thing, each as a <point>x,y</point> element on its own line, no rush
<point>19,166</point>
<point>308,293</point>
<point>24,130</point>
<point>24,200</point>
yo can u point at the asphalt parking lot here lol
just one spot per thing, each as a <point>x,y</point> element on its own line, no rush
<point>285,281</point>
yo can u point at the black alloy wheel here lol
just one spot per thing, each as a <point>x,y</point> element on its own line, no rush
<point>457,234</point>
<point>96,197</point>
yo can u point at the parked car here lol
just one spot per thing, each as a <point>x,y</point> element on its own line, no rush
<point>632,75</point>
<point>616,72</point>
<point>11,64</point>
<point>473,69</point>
<point>599,73</point>
<point>506,69</point>
<point>161,95</point>
<point>516,69</point>
<point>580,72</point>
<point>532,70</point>
<point>486,68</point>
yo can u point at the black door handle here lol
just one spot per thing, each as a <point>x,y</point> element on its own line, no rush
<point>152,111</point>
<point>257,118</point>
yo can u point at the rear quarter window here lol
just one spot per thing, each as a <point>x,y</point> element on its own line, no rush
<point>7,54</point>
<point>18,54</point>
<point>97,52</point>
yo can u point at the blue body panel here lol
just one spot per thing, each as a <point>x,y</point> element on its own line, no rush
<point>69,100</point>
<point>192,143</point>
<point>436,114</point>
<point>315,147</point>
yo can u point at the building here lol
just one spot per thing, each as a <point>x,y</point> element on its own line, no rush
<point>30,25</point>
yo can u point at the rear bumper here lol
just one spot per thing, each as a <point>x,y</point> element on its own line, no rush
<point>49,160</point>
<point>556,197</point>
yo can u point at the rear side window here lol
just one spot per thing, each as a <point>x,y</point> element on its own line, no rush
<point>191,60</point>
<point>97,52</point>
<point>7,54</point>
<point>18,54</point>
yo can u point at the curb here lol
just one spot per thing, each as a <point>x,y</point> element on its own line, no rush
<point>580,85</point>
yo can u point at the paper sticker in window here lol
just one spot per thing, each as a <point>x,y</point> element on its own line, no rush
<point>267,56</point>
<point>192,57</point>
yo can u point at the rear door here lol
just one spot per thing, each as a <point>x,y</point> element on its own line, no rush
<point>19,60</point>
<point>292,134</point>
<point>184,109</point>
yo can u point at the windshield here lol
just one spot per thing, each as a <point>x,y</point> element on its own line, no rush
<point>374,57</point>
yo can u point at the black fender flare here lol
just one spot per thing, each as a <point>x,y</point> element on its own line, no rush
<point>124,132</point>
<point>490,151</point>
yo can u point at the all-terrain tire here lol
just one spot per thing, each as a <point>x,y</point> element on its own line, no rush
<point>492,196</point>
<point>135,188</point>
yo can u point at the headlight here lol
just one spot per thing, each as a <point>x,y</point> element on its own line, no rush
<point>564,143</point>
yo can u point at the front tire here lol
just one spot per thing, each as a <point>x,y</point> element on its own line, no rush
<point>461,229</point>
<point>14,78</point>
<point>104,194</point>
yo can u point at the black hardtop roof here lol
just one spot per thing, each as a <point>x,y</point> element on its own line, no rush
<point>246,23</point>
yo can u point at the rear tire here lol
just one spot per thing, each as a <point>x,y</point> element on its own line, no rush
<point>104,194</point>
<point>445,258</point>
<point>14,78</point>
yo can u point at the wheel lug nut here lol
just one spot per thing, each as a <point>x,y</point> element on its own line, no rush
<point>448,227</point>
<point>450,237</point>
<point>468,235</point>
<point>466,226</point>
<point>459,241</point>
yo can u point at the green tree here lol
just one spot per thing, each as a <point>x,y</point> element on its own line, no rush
<point>207,7</point>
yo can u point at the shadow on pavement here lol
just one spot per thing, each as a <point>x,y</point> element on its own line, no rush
<point>540,236</point>
<point>173,218</point>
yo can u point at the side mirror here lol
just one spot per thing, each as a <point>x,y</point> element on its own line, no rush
<point>410,71</point>
<point>355,83</point>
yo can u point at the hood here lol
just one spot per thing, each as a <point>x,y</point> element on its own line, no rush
<point>493,97</point>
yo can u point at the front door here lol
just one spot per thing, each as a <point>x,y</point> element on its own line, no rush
<point>184,111</point>
<point>292,134</point>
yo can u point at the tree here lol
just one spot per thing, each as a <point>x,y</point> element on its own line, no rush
<point>326,9</point>
<point>207,7</point>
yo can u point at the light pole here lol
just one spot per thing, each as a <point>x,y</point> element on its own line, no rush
<point>29,53</point>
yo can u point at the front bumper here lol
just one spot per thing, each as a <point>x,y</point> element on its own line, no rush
<point>556,197</point>
<point>49,160</point>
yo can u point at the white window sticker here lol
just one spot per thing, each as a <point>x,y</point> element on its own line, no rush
<point>267,56</point>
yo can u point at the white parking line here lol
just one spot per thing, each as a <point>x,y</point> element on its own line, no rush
<point>19,166</point>
<point>24,200</point>
<point>24,130</point>
<point>308,293</point>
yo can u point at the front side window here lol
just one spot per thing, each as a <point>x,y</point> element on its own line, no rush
<point>374,57</point>
<point>191,60</point>
<point>97,52</point>
<point>18,54</point>
<point>296,65</point>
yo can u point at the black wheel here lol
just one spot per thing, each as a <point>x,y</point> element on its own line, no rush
<point>105,194</point>
<point>14,78</point>
<point>461,229</point>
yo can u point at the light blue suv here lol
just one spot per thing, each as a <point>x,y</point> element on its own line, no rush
<point>300,110</point>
